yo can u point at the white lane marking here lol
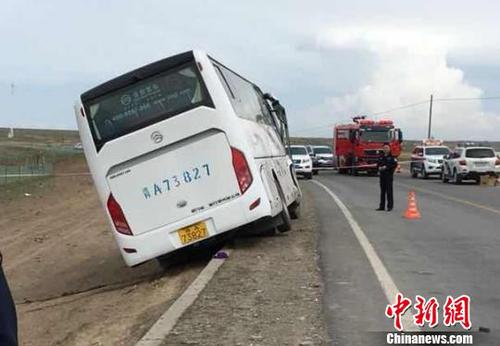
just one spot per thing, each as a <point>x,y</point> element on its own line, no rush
<point>388,286</point>
<point>158,333</point>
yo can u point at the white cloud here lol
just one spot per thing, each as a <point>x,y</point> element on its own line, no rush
<point>411,63</point>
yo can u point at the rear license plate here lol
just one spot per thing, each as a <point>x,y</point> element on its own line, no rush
<point>192,233</point>
<point>481,164</point>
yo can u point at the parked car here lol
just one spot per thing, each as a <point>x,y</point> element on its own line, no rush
<point>310,151</point>
<point>428,160</point>
<point>324,156</point>
<point>301,161</point>
<point>470,163</point>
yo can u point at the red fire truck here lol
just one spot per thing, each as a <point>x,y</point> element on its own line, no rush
<point>358,145</point>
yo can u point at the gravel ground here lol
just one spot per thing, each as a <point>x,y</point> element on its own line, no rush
<point>267,293</point>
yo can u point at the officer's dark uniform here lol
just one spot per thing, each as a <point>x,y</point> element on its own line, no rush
<point>386,177</point>
<point>8,319</point>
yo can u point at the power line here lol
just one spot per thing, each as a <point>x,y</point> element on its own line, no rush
<point>402,107</point>
<point>377,113</point>
<point>468,98</point>
<point>451,99</point>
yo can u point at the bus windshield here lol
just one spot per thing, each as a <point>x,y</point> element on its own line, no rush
<point>145,102</point>
<point>372,135</point>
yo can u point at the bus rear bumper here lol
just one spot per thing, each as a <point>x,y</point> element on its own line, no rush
<point>161,241</point>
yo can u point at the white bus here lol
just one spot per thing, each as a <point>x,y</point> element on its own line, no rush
<point>185,149</point>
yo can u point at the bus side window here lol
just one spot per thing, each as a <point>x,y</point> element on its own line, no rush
<point>245,101</point>
<point>224,82</point>
<point>267,117</point>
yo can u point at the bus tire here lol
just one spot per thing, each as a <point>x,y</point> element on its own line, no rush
<point>284,215</point>
<point>294,210</point>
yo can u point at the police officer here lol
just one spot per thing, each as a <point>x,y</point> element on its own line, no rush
<point>8,319</point>
<point>386,166</point>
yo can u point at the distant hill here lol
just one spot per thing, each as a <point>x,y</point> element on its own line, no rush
<point>40,135</point>
<point>71,136</point>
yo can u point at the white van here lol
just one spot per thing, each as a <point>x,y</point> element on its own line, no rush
<point>182,150</point>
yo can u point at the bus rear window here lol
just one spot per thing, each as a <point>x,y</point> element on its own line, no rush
<point>145,102</point>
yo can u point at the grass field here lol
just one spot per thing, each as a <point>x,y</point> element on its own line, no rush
<point>33,152</point>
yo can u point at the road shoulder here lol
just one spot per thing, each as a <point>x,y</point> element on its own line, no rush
<point>267,293</point>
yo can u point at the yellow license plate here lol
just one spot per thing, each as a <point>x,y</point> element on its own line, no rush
<point>191,233</point>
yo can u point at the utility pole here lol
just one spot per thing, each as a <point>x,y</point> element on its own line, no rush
<point>430,119</point>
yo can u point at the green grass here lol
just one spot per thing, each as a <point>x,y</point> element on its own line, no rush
<point>33,152</point>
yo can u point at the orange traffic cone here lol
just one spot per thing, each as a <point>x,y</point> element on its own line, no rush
<point>412,212</point>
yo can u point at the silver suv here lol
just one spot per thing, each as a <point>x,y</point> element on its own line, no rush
<point>428,160</point>
<point>470,163</point>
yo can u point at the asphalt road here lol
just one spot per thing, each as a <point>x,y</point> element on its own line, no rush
<point>452,250</point>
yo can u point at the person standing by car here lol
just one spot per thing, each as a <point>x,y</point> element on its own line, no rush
<point>386,166</point>
<point>8,318</point>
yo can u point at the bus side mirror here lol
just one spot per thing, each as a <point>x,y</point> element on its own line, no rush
<point>400,136</point>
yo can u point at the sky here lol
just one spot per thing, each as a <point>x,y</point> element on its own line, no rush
<point>326,60</point>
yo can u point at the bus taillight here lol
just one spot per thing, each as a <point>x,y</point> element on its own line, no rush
<point>119,220</point>
<point>242,170</point>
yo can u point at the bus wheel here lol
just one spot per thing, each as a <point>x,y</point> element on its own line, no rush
<point>294,210</point>
<point>286,221</point>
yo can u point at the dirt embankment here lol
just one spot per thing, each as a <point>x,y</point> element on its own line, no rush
<point>69,282</point>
